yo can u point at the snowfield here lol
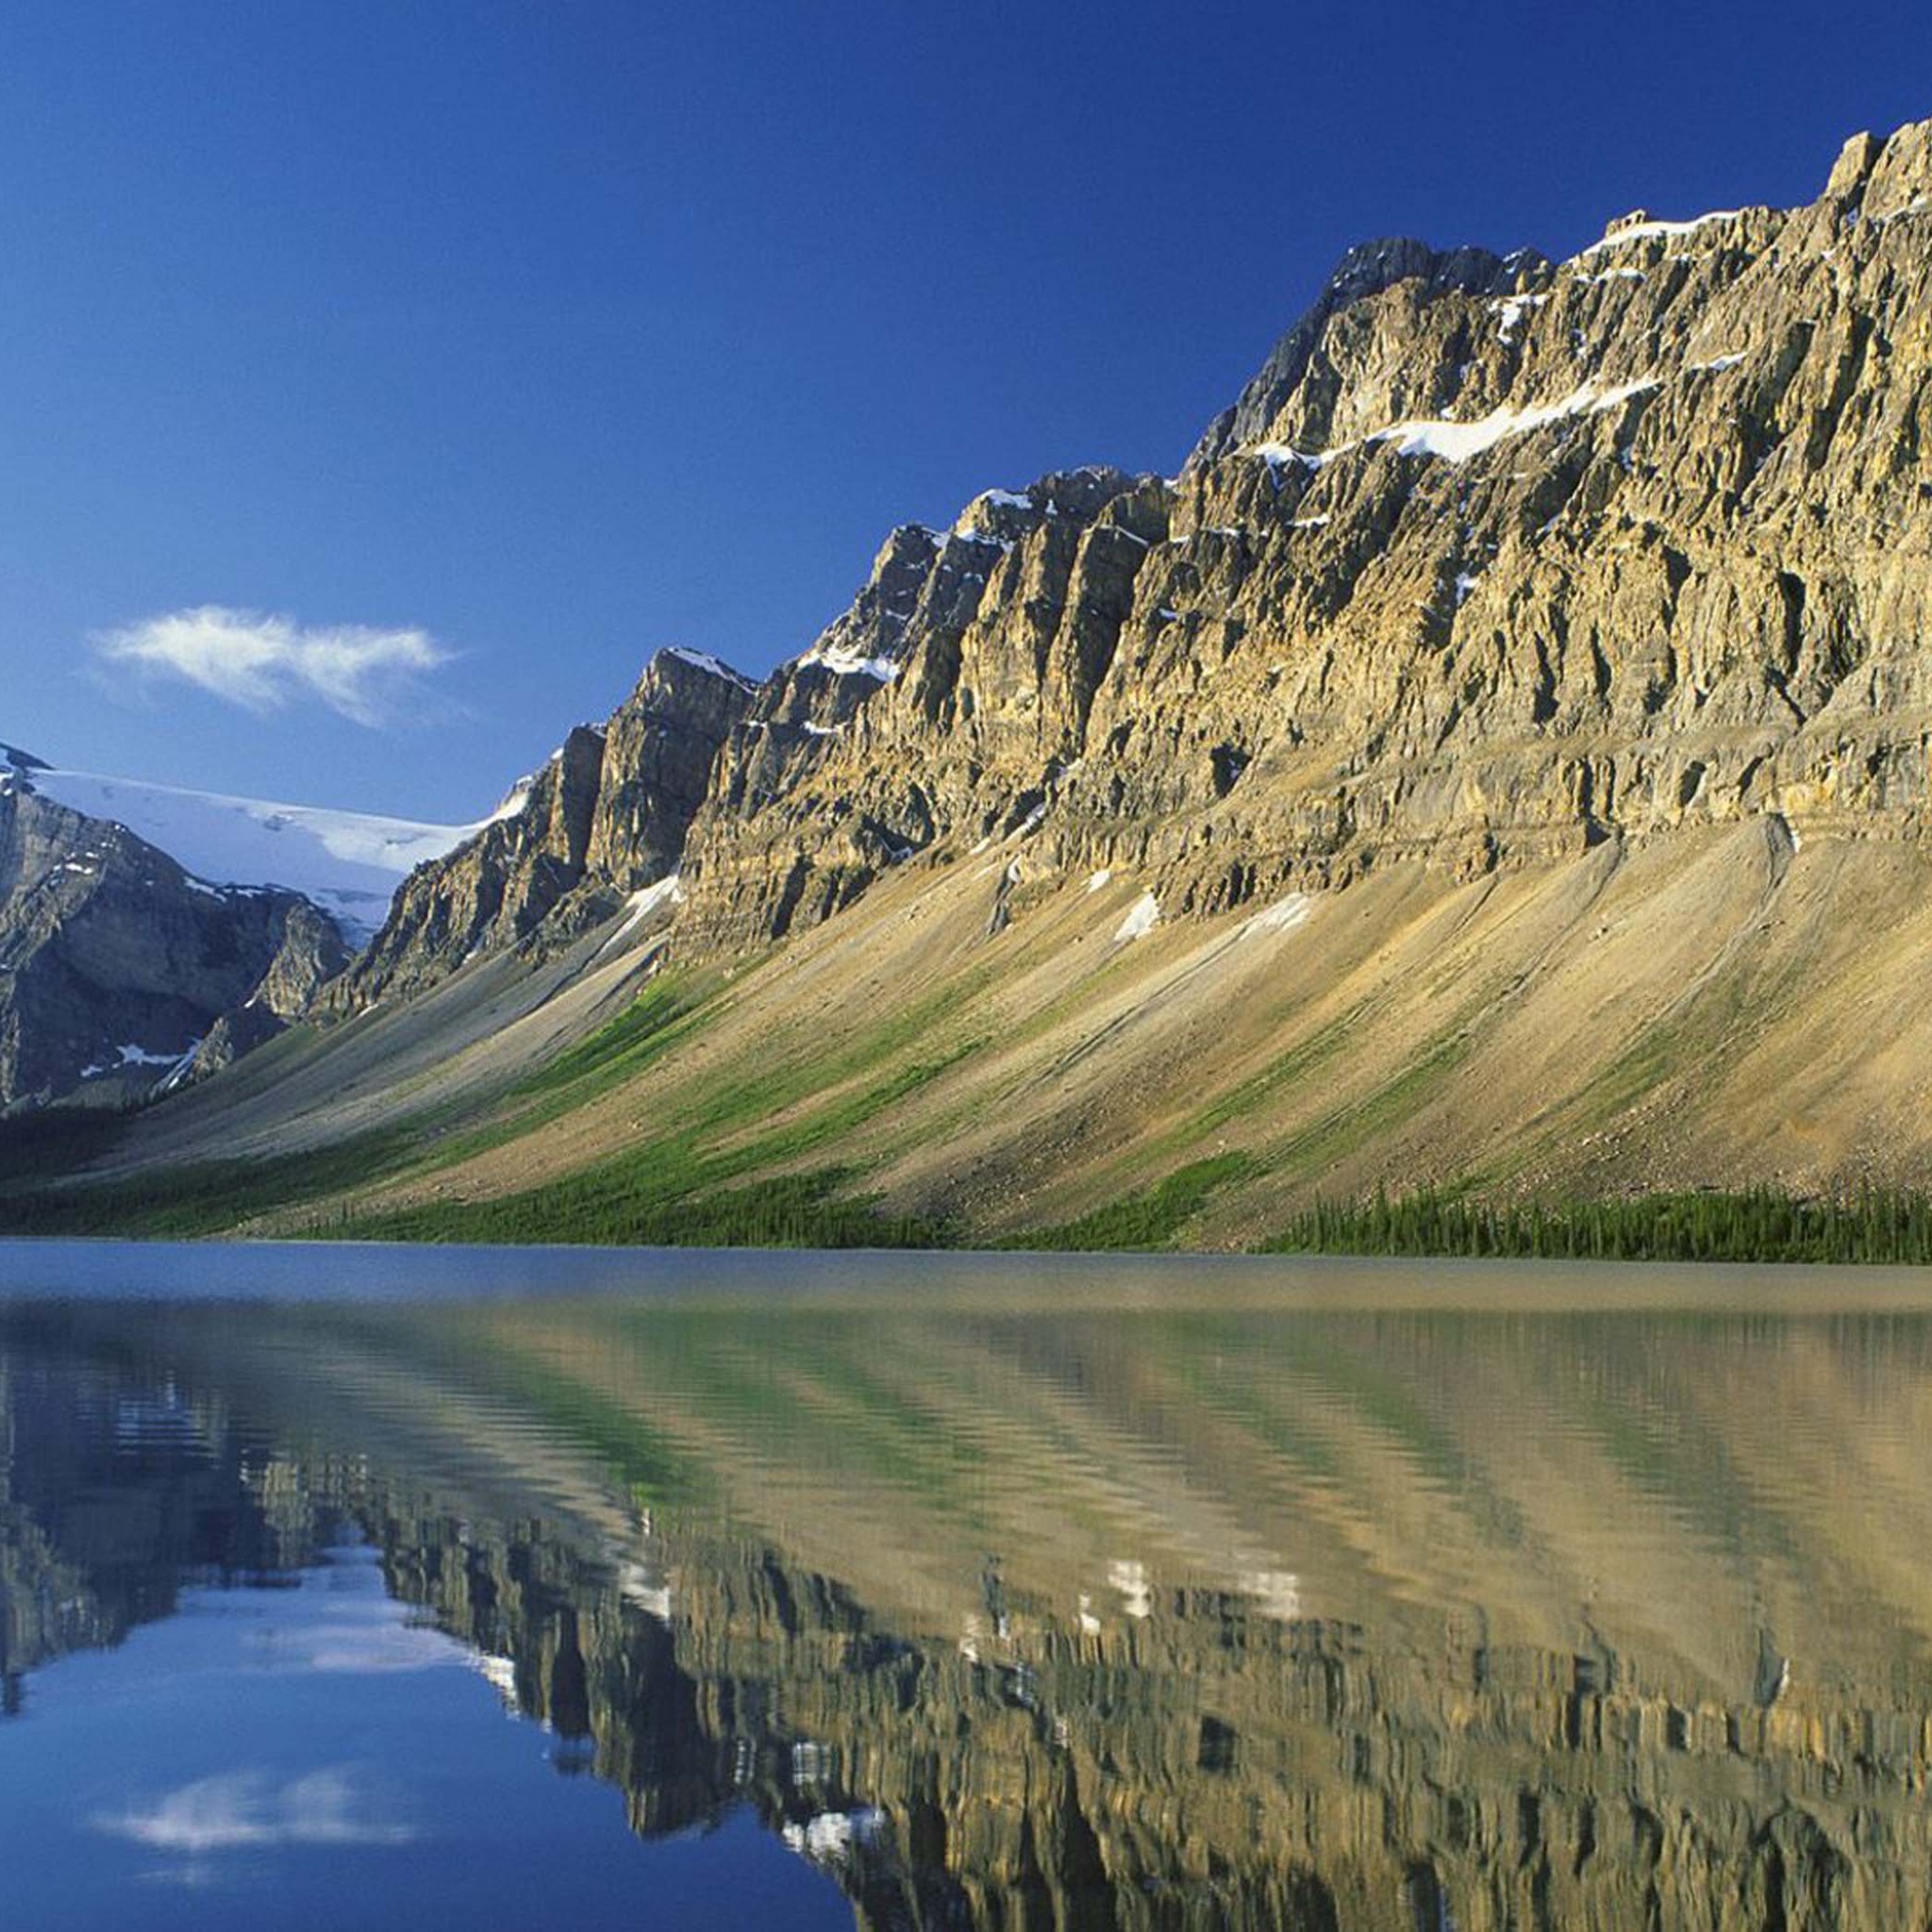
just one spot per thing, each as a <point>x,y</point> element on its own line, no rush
<point>350,863</point>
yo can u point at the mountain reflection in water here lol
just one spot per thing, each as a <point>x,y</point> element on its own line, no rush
<point>1138,1616</point>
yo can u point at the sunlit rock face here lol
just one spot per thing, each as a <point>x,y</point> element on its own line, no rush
<point>1495,558</point>
<point>1543,639</point>
<point>1593,1623</point>
<point>606,817</point>
<point>953,692</point>
<point>118,968</point>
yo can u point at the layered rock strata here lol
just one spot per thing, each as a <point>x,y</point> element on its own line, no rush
<point>1493,559</point>
<point>605,818</point>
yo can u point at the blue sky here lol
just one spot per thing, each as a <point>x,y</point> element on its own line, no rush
<point>539,335</point>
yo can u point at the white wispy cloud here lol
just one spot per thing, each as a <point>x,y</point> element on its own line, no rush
<point>244,1809</point>
<point>264,662</point>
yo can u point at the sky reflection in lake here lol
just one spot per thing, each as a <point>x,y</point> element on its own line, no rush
<point>1177,1607</point>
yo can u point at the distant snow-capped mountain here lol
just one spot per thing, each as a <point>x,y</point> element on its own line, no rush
<point>150,934</point>
<point>349,863</point>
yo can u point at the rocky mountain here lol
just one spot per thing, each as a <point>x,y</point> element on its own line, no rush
<point>349,863</point>
<point>603,823</point>
<point>1479,764</point>
<point>1493,559</point>
<point>117,966</point>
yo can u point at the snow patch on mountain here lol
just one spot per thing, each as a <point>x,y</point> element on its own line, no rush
<point>1284,915</point>
<point>349,863</point>
<point>515,798</point>
<point>991,499</point>
<point>704,660</point>
<point>1456,443</point>
<point>1510,311</point>
<point>851,663</point>
<point>669,891</point>
<point>1651,231</point>
<point>1143,915</point>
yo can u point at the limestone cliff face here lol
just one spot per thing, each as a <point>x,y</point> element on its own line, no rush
<point>1493,559</point>
<point>951,698</point>
<point>116,965</point>
<point>605,817</point>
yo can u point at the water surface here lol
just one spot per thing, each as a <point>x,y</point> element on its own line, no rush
<point>595,1589</point>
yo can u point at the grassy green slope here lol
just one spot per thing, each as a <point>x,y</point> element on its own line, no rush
<point>1667,1053</point>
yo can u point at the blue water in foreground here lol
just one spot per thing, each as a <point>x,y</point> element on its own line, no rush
<point>306,1755</point>
<point>432,1587</point>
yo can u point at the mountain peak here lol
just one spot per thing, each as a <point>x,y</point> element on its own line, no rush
<point>1370,267</point>
<point>1899,178</point>
<point>1365,271</point>
<point>680,657</point>
<point>1873,178</point>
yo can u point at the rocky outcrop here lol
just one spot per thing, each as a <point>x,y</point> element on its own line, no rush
<point>1495,558</point>
<point>116,965</point>
<point>311,953</point>
<point>1302,357</point>
<point>658,750</point>
<point>494,891</point>
<point>952,697</point>
<point>605,818</point>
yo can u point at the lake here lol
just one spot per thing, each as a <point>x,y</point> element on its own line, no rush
<point>424,1587</point>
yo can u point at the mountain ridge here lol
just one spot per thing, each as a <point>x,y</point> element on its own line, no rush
<point>1537,646</point>
<point>120,972</point>
<point>330,872</point>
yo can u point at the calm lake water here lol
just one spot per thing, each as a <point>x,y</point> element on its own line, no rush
<point>422,1588</point>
